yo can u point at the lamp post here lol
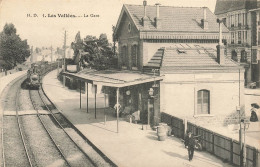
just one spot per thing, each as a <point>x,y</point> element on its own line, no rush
<point>150,92</point>
<point>246,126</point>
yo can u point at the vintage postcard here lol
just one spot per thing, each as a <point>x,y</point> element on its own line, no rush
<point>139,83</point>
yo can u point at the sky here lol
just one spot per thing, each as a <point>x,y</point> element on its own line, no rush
<point>43,31</point>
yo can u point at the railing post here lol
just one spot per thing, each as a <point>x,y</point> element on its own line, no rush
<point>231,151</point>
<point>255,155</point>
<point>213,142</point>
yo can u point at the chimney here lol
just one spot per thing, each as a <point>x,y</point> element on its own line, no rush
<point>220,46</point>
<point>145,18</point>
<point>158,21</point>
<point>204,22</point>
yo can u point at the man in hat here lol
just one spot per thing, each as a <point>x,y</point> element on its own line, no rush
<point>190,143</point>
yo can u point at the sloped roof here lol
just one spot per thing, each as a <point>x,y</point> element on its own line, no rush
<point>224,6</point>
<point>114,78</point>
<point>177,19</point>
<point>188,56</point>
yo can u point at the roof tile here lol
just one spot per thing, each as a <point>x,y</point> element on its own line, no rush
<point>179,19</point>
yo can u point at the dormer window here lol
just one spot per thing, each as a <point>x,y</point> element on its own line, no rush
<point>181,51</point>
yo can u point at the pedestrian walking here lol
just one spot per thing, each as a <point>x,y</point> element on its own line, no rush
<point>190,144</point>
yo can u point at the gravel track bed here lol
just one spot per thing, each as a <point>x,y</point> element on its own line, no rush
<point>25,101</point>
<point>15,154</point>
<point>10,97</point>
<point>71,152</point>
<point>14,151</point>
<point>45,153</point>
<point>93,155</point>
<point>36,100</point>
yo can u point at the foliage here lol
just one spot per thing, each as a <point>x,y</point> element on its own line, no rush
<point>94,52</point>
<point>13,49</point>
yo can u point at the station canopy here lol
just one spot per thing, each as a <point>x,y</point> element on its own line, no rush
<point>113,78</point>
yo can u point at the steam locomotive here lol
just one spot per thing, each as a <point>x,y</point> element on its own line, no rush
<point>37,71</point>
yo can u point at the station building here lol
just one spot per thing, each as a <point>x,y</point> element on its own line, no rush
<point>170,60</point>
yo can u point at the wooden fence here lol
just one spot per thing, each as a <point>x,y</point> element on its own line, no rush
<point>175,123</point>
<point>221,146</point>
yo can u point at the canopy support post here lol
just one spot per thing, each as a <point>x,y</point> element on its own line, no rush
<point>105,117</point>
<point>95,101</point>
<point>117,108</point>
<point>80,94</point>
<point>87,97</point>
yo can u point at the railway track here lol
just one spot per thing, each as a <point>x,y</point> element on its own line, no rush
<point>35,133</point>
<point>20,128</point>
<point>66,149</point>
<point>48,132</point>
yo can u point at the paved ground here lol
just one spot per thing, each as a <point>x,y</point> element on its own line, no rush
<point>132,146</point>
<point>5,80</point>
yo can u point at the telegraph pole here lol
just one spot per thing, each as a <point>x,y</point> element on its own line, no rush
<point>31,54</point>
<point>51,54</point>
<point>64,47</point>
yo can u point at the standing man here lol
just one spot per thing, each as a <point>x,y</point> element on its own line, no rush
<point>190,143</point>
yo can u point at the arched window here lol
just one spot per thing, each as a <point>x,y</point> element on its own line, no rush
<point>203,102</point>
<point>234,55</point>
<point>243,56</point>
<point>134,55</point>
<point>124,56</point>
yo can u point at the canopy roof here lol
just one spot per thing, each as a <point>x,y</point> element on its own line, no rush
<point>114,78</point>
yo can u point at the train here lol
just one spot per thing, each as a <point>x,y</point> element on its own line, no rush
<point>37,71</point>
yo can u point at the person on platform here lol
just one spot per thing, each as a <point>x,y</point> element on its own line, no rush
<point>119,109</point>
<point>253,117</point>
<point>190,144</point>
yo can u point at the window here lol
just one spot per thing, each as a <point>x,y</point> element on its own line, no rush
<point>239,20</point>
<point>239,37</point>
<point>232,38</point>
<point>243,19</point>
<point>203,102</point>
<point>134,56</point>
<point>234,55</point>
<point>124,55</point>
<point>224,21</point>
<point>236,21</point>
<point>129,27</point>
<point>236,37</point>
<point>243,56</point>
<point>259,37</point>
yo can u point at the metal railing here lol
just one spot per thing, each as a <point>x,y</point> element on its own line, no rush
<point>219,145</point>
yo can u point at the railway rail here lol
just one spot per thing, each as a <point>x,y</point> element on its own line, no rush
<point>36,127</point>
<point>22,136</point>
<point>60,125</point>
<point>88,161</point>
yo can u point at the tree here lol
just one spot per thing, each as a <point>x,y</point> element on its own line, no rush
<point>94,52</point>
<point>13,49</point>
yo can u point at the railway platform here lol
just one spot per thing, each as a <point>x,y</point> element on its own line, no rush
<point>133,145</point>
